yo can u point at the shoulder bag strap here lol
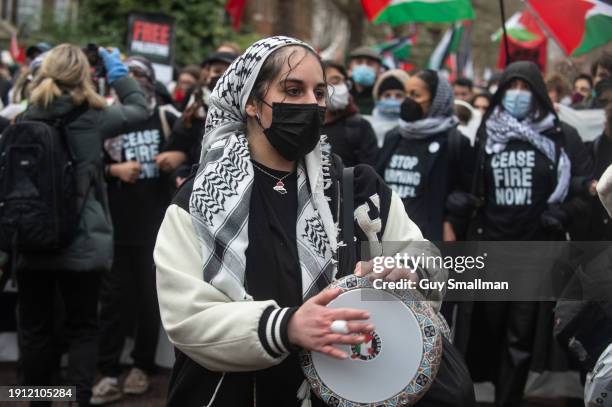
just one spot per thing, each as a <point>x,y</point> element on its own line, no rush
<point>164,122</point>
<point>348,229</point>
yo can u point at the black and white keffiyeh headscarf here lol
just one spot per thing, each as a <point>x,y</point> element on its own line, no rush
<point>502,127</point>
<point>219,203</point>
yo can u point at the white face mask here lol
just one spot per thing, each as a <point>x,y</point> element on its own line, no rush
<point>338,97</point>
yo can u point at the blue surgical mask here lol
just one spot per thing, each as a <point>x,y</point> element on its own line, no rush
<point>389,107</point>
<point>364,75</point>
<point>517,102</point>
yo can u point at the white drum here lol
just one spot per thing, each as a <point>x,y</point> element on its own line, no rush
<point>398,362</point>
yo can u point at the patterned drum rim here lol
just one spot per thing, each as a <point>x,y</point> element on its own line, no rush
<point>430,361</point>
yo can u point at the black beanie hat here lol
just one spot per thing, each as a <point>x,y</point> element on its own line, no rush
<point>390,83</point>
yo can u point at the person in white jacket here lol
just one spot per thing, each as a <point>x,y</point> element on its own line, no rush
<point>249,245</point>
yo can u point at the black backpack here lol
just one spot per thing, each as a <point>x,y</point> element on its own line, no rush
<point>38,195</point>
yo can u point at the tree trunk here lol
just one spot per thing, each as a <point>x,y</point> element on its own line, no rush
<point>284,19</point>
<point>356,21</point>
<point>356,18</point>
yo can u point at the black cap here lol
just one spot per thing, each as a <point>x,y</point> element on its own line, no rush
<point>225,57</point>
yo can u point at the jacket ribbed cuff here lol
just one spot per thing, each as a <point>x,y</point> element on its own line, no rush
<point>273,330</point>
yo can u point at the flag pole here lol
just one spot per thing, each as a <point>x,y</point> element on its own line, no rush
<point>506,45</point>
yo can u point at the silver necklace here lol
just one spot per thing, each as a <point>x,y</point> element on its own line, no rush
<point>280,185</point>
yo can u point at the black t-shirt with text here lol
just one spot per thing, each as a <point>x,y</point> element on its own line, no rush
<point>518,182</point>
<point>138,209</point>
<point>414,167</point>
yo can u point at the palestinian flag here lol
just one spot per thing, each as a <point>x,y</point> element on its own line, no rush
<point>577,25</point>
<point>526,41</point>
<point>396,12</point>
<point>398,49</point>
<point>454,52</point>
<point>518,30</point>
<point>448,45</point>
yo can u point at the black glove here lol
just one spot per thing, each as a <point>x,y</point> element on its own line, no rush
<point>462,204</point>
<point>554,219</point>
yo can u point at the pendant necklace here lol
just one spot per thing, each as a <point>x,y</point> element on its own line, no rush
<point>280,185</point>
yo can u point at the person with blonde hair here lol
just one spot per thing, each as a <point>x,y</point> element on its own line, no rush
<point>62,87</point>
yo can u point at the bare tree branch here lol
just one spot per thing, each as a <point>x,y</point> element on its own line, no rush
<point>342,7</point>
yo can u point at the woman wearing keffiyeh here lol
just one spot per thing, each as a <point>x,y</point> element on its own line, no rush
<point>249,245</point>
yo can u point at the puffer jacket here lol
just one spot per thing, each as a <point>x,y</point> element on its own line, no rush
<point>92,247</point>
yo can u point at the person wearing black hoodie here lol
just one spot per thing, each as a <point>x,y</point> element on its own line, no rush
<point>425,158</point>
<point>527,164</point>
<point>350,135</point>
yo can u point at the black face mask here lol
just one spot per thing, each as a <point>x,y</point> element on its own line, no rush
<point>295,129</point>
<point>411,111</point>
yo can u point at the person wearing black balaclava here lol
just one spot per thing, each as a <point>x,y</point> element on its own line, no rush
<point>529,165</point>
<point>422,159</point>
<point>138,194</point>
<point>349,134</point>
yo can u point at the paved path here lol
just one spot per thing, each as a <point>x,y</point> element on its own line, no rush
<point>156,396</point>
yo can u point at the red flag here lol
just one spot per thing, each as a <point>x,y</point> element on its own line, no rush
<point>534,51</point>
<point>17,52</point>
<point>565,19</point>
<point>234,8</point>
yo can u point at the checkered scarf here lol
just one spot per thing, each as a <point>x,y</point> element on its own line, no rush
<point>219,204</point>
<point>503,127</point>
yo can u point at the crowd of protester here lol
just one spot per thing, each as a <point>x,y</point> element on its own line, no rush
<point>434,143</point>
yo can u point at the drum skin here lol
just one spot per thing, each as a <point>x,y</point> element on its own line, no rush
<point>418,381</point>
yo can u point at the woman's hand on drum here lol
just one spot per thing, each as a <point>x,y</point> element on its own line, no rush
<point>368,270</point>
<point>310,326</point>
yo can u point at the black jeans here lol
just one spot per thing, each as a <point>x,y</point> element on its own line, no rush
<point>129,299</point>
<point>39,345</point>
